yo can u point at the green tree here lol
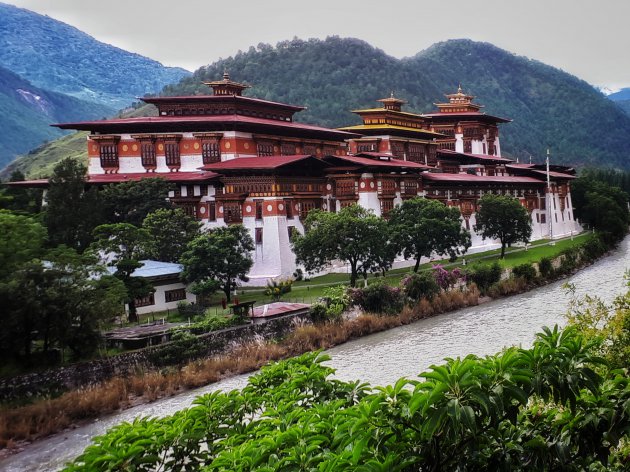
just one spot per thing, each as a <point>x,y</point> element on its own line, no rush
<point>602,207</point>
<point>123,245</point>
<point>20,199</point>
<point>131,202</point>
<point>170,230</point>
<point>71,212</point>
<point>354,235</point>
<point>421,227</point>
<point>59,303</point>
<point>218,259</point>
<point>503,218</point>
<point>21,239</point>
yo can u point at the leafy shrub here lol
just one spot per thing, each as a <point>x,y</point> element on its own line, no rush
<point>446,279</point>
<point>332,305</point>
<point>378,297</point>
<point>485,275</point>
<point>593,248</point>
<point>545,266</point>
<point>525,271</point>
<point>190,310</point>
<point>183,347</point>
<point>211,322</point>
<point>276,288</point>
<point>420,285</point>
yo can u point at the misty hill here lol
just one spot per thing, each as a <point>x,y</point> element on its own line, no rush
<point>58,57</point>
<point>27,112</point>
<point>621,95</point>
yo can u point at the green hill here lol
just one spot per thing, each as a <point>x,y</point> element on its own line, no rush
<point>27,112</point>
<point>58,57</point>
<point>550,108</point>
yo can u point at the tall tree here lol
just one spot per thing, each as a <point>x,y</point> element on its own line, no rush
<point>421,227</point>
<point>219,258</point>
<point>131,202</point>
<point>354,235</point>
<point>503,218</point>
<point>123,245</point>
<point>21,239</point>
<point>170,230</point>
<point>71,212</point>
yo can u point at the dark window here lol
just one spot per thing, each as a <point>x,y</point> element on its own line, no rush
<point>289,205</point>
<point>145,301</point>
<point>172,154</point>
<point>416,152</point>
<point>259,209</point>
<point>265,149</point>
<point>210,152</point>
<point>288,149</point>
<point>467,146</point>
<point>212,211</point>
<point>543,218</point>
<point>259,236</point>
<point>366,147</point>
<point>109,155</point>
<point>175,295</point>
<point>310,149</point>
<point>147,153</point>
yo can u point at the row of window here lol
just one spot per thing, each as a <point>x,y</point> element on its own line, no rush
<point>169,296</point>
<point>210,152</point>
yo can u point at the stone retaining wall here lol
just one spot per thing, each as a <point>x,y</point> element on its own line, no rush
<point>91,372</point>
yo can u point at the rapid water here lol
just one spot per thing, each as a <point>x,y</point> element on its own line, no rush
<point>382,358</point>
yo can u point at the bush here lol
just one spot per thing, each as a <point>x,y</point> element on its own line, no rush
<point>183,347</point>
<point>593,248</point>
<point>378,297</point>
<point>485,276</point>
<point>420,285</point>
<point>211,322</point>
<point>545,266</point>
<point>277,288</point>
<point>525,271</point>
<point>332,305</point>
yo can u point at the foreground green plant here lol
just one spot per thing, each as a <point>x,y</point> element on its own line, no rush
<point>544,408</point>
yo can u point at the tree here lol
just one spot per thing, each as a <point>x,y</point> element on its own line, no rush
<point>421,227</point>
<point>20,199</point>
<point>59,302</point>
<point>131,202</point>
<point>123,244</point>
<point>71,212</point>
<point>354,235</point>
<point>21,239</point>
<point>170,230</point>
<point>602,207</point>
<point>218,259</point>
<point>503,218</point>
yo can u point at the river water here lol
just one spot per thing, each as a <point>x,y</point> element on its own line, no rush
<point>382,358</point>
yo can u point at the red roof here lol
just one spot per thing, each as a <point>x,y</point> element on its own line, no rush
<point>480,179</point>
<point>467,114</point>
<point>198,176</point>
<point>198,121</point>
<point>481,157</point>
<point>258,163</point>
<point>219,98</point>
<point>379,162</point>
<point>543,173</point>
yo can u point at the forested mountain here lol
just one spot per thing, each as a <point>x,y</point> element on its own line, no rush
<point>27,112</point>
<point>550,108</point>
<point>58,57</point>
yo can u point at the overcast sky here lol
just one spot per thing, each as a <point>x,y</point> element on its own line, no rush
<point>590,39</point>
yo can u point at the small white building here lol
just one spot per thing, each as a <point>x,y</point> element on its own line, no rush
<point>169,289</point>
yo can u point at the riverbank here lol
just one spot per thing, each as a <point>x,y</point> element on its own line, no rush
<point>38,420</point>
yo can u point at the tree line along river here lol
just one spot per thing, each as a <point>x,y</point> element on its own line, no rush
<point>382,358</point>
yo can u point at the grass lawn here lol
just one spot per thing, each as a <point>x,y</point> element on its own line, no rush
<point>308,291</point>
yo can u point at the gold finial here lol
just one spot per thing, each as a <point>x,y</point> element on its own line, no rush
<point>459,88</point>
<point>226,75</point>
<point>392,94</point>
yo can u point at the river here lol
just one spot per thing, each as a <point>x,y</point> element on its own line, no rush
<point>382,358</point>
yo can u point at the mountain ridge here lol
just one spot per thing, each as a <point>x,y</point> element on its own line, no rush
<point>550,108</point>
